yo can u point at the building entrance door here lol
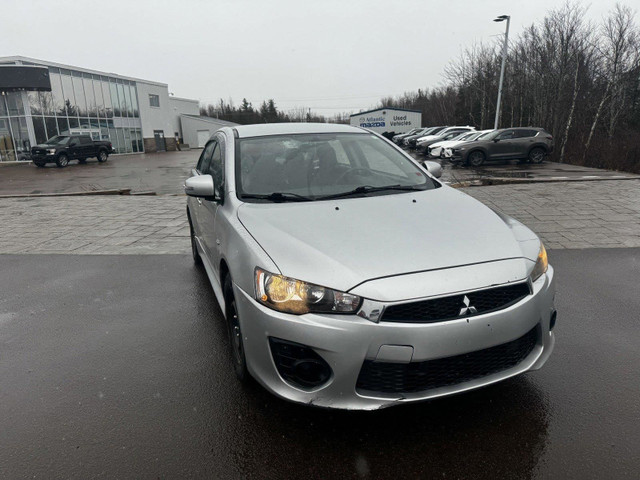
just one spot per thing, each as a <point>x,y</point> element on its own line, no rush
<point>161,145</point>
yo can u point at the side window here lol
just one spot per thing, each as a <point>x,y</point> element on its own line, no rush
<point>506,135</point>
<point>216,169</point>
<point>525,133</point>
<point>205,158</point>
<point>85,140</point>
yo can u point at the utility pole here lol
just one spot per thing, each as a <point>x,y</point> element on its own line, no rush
<point>502,18</point>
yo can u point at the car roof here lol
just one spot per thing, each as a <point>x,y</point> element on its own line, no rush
<point>264,129</point>
<point>521,128</point>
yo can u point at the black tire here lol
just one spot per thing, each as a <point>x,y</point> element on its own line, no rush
<point>194,247</point>
<point>103,156</point>
<point>536,155</point>
<point>62,161</point>
<point>236,342</point>
<point>82,160</point>
<point>39,164</point>
<point>476,158</point>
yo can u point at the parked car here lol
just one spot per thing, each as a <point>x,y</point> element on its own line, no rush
<point>447,147</point>
<point>410,142</point>
<point>63,148</point>
<point>397,139</point>
<point>445,134</point>
<point>313,235</point>
<point>522,143</point>
<point>435,149</point>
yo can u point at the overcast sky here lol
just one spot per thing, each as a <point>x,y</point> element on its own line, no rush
<point>330,55</point>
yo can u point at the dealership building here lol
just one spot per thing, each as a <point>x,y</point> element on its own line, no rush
<point>41,99</point>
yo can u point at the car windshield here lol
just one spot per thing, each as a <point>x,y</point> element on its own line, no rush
<point>491,135</point>
<point>58,140</point>
<point>314,166</point>
<point>467,136</point>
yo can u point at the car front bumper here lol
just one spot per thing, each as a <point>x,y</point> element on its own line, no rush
<point>346,341</point>
<point>42,157</point>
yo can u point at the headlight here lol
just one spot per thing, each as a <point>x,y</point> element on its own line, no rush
<point>294,296</point>
<point>51,151</point>
<point>541,264</point>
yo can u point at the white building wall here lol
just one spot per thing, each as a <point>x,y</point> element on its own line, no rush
<point>180,106</point>
<point>387,120</point>
<point>191,126</point>
<point>154,118</point>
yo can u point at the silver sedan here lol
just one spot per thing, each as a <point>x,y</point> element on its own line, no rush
<point>350,277</point>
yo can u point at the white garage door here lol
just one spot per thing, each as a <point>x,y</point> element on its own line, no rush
<point>203,137</point>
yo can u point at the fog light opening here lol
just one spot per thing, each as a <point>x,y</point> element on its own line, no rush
<point>299,364</point>
<point>310,372</point>
<point>552,322</point>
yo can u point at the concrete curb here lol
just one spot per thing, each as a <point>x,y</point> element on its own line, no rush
<point>483,182</point>
<point>16,163</point>
<point>120,191</point>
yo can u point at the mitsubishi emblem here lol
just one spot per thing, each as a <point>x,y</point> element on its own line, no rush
<point>467,309</point>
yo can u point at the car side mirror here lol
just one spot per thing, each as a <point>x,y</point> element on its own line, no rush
<point>199,186</point>
<point>434,168</point>
<point>496,140</point>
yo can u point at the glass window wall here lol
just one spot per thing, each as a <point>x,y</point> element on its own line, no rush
<point>92,108</point>
<point>7,153</point>
<point>3,106</point>
<point>39,130</point>
<point>106,93</point>
<point>123,101</point>
<point>14,104</point>
<point>77,100</point>
<point>78,90</point>
<point>69,97</point>
<point>134,100</point>
<point>58,97</point>
<point>21,137</point>
<point>52,126</point>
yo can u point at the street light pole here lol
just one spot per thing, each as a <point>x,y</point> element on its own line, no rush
<point>504,61</point>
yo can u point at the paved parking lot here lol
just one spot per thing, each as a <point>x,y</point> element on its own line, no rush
<point>565,215</point>
<point>117,367</point>
<point>114,360</point>
<point>164,173</point>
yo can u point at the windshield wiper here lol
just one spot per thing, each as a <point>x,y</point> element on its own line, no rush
<point>278,197</point>
<point>368,189</point>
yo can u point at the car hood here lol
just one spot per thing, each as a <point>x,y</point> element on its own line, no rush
<point>428,138</point>
<point>342,243</point>
<point>444,143</point>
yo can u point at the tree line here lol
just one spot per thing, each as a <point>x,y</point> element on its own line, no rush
<point>267,112</point>
<point>577,79</point>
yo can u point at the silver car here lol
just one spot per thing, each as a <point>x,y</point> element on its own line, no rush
<point>313,237</point>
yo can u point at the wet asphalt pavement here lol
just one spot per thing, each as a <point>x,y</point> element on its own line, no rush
<point>117,367</point>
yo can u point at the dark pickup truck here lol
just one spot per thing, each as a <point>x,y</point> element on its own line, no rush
<point>63,148</point>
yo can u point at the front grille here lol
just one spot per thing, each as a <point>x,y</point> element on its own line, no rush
<point>421,376</point>
<point>448,308</point>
